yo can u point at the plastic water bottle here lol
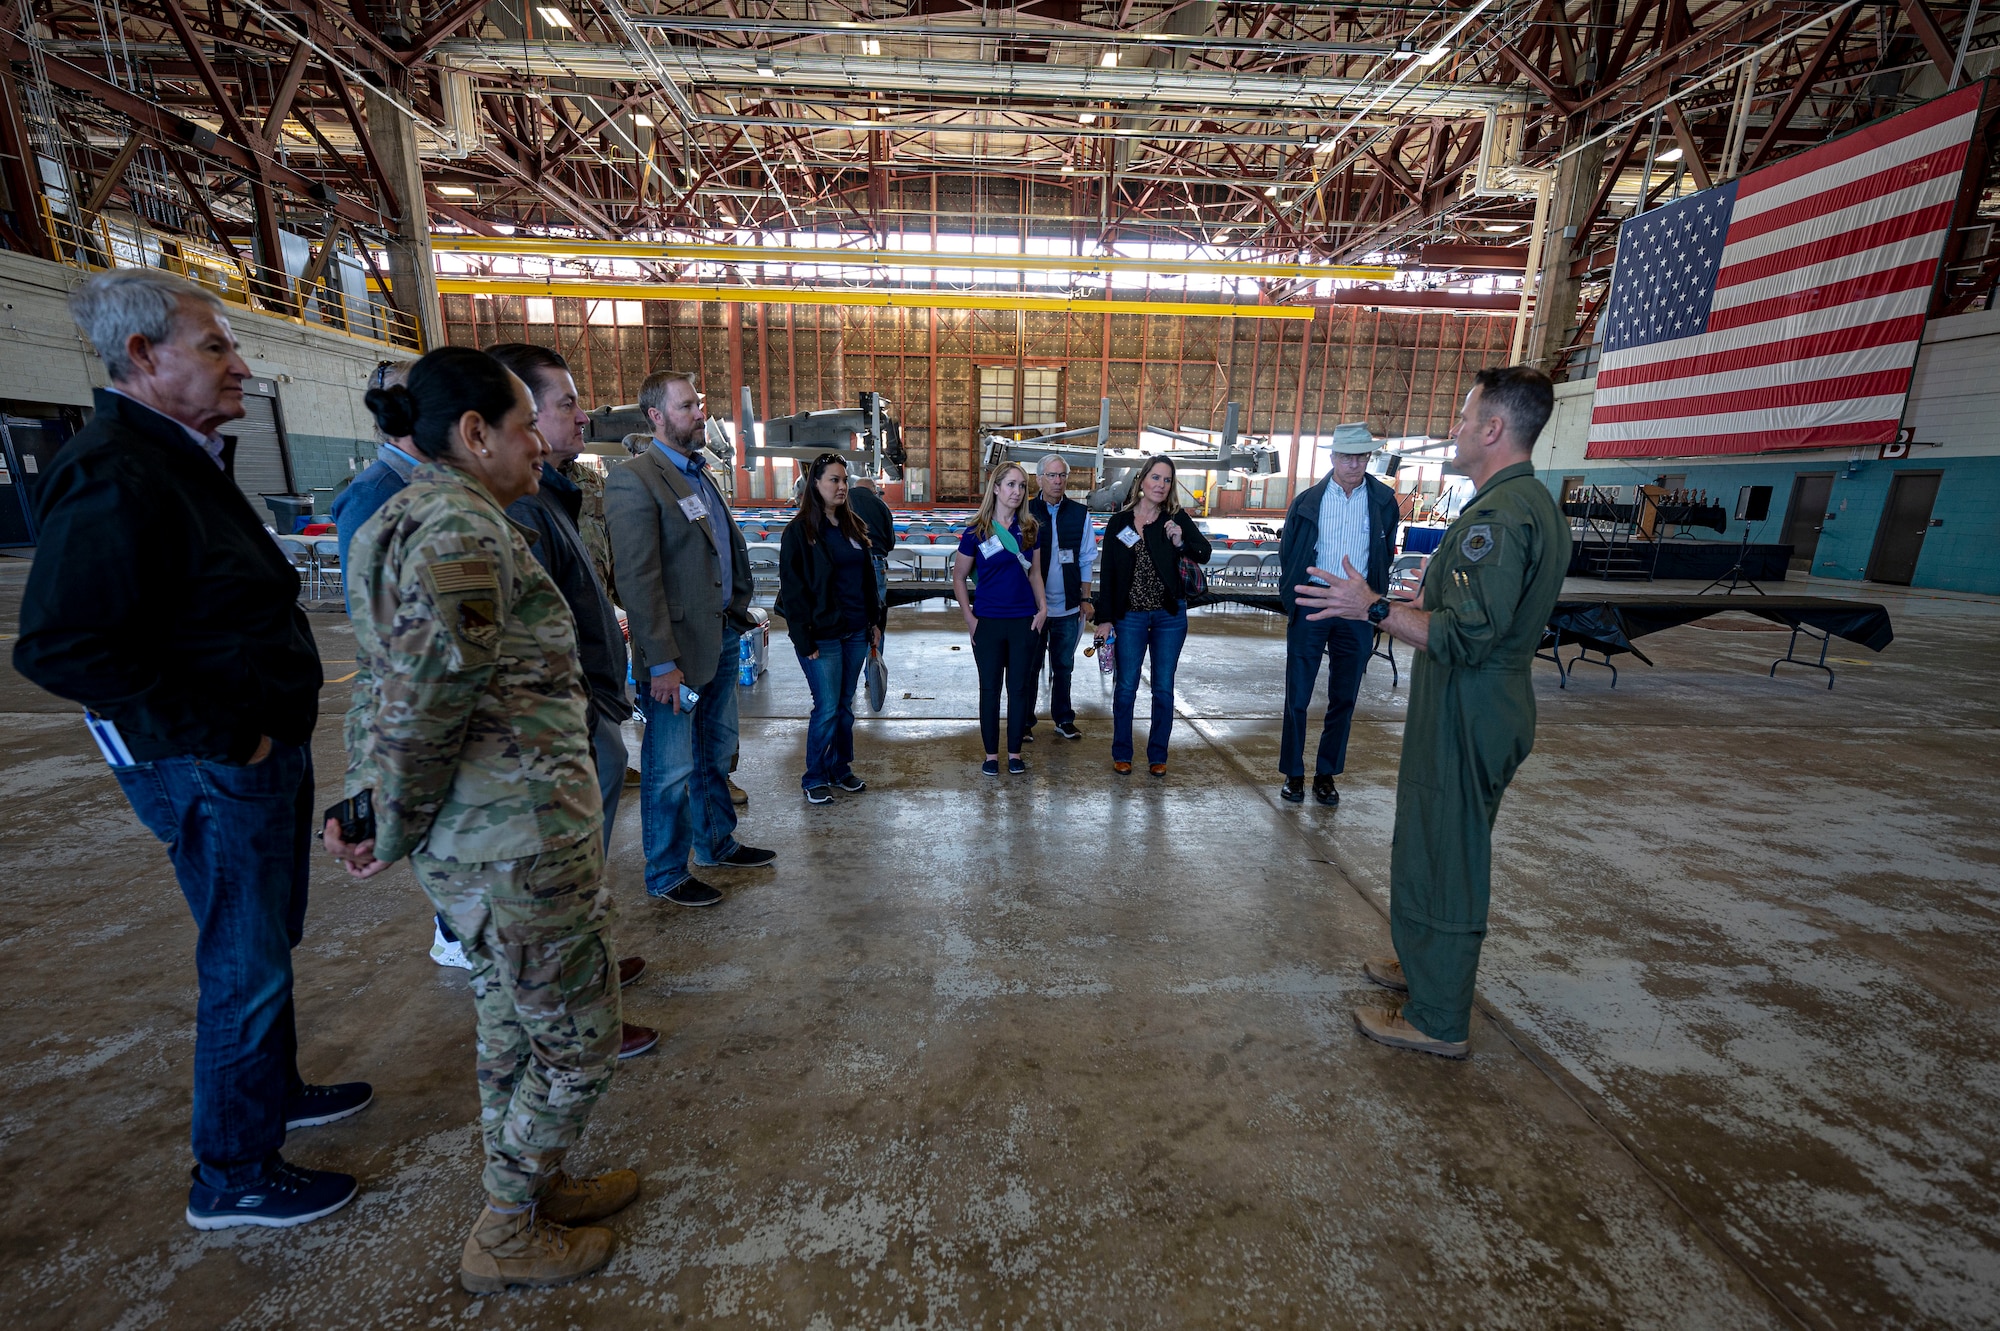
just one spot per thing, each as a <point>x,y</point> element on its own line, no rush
<point>1105,661</point>
<point>746,663</point>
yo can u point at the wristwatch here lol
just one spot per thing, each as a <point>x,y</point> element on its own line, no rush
<point>1379,611</point>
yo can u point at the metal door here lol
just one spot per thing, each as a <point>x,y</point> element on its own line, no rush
<point>1900,537</point>
<point>28,446</point>
<point>258,459</point>
<point>1811,492</point>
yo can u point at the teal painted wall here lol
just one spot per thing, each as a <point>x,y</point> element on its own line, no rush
<point>1962,555</point>
<point>322,464</point>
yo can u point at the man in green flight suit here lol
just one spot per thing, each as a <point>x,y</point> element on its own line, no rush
<point>1487,594</point>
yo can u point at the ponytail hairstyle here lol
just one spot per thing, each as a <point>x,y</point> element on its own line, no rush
<point>982,521</point>
<point>441,388</point>
<point>812,508</point>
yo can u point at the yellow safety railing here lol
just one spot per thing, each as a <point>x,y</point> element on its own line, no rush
<point>101,243</point>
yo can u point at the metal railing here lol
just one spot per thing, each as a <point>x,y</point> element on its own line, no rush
<point>99,243</point>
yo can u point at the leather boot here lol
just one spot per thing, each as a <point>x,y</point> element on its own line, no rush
<point>525,1249</point>
<point>578,1201</point>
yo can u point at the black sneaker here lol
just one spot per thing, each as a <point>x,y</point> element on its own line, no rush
<point>1015,767</point>
<point>991,767</point>
<point>314,1105</point>
<point>819,794</point>
<point>852,784</point>
<point>1324,792</point>
<point>1027,737</point>
<point>691,892</point>
<point>287,1196</point>
<point>745,857</point>
<point>1295,790</point>
<point>1069,732</point>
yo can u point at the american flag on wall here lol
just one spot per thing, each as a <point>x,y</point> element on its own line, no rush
<point>1784,309</point>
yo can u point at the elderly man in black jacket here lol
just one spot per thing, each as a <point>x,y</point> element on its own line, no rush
<point>1348,514</point>
<point>158,601</point>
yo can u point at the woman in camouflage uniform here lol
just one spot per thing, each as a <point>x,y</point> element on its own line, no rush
<point>469,727</point>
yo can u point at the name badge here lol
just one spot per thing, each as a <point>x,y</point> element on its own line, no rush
<point>109,742</point>
<point>1130,536</point>
<point>694,508</point>
<point>990,547</point>
<point>856,544</point>
<point>1067,557</point>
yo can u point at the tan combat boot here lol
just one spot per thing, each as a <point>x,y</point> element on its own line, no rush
<point>578,1201</point>
<point>526,1249</point>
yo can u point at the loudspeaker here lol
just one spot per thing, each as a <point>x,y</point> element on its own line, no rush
<point>1753,503</point>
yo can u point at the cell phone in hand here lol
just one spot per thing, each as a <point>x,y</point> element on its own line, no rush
<point>688,698</point>
<point>356,816</point>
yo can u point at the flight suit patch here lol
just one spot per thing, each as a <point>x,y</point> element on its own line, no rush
<point>1478,542</point>
<point>478,624</point>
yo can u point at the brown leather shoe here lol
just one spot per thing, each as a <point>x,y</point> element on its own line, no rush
<point>1386,1026</point>
<point>629,970</point>
<point>578,1201</point>
<point>1158,769</point>
<point>637,1040</point>
<point>737,795</point>
<point>1387,972</point>
<point>526,1249</point>
<point>1123,769</point>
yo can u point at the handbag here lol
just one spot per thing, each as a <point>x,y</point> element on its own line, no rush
<point>1194,579</point>
<point>875,676</point>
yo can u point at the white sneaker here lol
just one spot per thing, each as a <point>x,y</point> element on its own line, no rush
<point>447,952</point>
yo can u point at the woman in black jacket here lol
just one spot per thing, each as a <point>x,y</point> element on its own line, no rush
<point>1140,594</point>
<point>827,595</point>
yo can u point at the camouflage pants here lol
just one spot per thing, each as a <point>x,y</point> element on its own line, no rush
<point>545,990</point>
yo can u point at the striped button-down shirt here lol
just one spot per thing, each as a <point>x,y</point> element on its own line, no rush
<point>1343,527</point>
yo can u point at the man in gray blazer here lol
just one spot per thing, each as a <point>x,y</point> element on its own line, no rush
<point>684,576</point>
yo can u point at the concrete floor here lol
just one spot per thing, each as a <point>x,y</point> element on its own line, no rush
<point>1074,1050</point>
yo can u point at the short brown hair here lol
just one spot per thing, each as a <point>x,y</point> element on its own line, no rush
<point>1521,395</point>
<point>653,393</point>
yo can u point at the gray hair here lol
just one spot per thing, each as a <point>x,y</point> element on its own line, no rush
<point>113,306</point>
<point>1043,465</point>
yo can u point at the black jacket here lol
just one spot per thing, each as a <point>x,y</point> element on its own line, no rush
<point>552,512</point>
<point>876,517</point>
<point>159,601</point>
<point>1116,560</point>
<point>807,597</point>
<point>1298,544</point>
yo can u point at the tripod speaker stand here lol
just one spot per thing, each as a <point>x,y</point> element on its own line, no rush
<point>1753,504</point>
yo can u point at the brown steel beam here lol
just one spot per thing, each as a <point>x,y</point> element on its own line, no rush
<point>17,160</point>
<point>1558,97</point>
<point>447,23</point>
<point>200,200</point>
<point>101,192</point>
<point>1802,88</point>
<point>1618,160</point>
<point>391,197</point>
<point>1925,25</point>
<point>288,89</point>
<point>1690,149</point>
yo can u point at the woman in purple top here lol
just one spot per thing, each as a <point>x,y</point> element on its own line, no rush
<point>1007,608</point>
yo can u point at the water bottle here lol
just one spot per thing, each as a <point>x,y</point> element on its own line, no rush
<point>1105,663</point>
<point>746,663</point>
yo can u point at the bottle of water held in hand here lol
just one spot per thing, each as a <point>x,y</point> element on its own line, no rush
<point>1105,663</point>
<point>746,663</point>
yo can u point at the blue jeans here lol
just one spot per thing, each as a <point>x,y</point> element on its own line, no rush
<point>684,778</point>
<point>1162,634</point>
<point>1344,644</point>
<point>1059,642</point>
<point>830,734</point>
<point>239,839</point>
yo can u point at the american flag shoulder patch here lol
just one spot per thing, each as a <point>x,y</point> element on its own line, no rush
<point>465,573</point>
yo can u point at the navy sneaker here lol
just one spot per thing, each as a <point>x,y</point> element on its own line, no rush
<point>991,767</point>
<point>287,1196</point>
<point>852,784</point>
<point>314,1105</point>
<point>690,892</point>
<point>1015,767</point>
<point>821,794</point>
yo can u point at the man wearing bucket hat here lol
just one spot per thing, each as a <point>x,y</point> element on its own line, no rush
<point>1348,514</point>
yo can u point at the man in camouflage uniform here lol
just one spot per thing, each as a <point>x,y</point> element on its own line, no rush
<point>469,725</point>
<point>586,472</point>
<point>1487,594</point>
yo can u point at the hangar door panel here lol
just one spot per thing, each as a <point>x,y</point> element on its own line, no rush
<point>258,462</point>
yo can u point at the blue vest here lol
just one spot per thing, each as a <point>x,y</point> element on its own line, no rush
<point>1068,536</point>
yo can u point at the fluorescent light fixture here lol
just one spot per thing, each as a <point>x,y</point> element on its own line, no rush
<point>1434,56</point>
<point>871,46</point>
<point>1087,118</point>
<point>1503,228</point>
<point>1222,235</point>
<point>554,17</point>
<point>727,216</point>
<point>1109,60</point>
<point>456,191</point>
<point>1670,155</point>
<point>641,119</point>
<point>765,69</point>
<point>1068,169</point>
<point>1270,191</point>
